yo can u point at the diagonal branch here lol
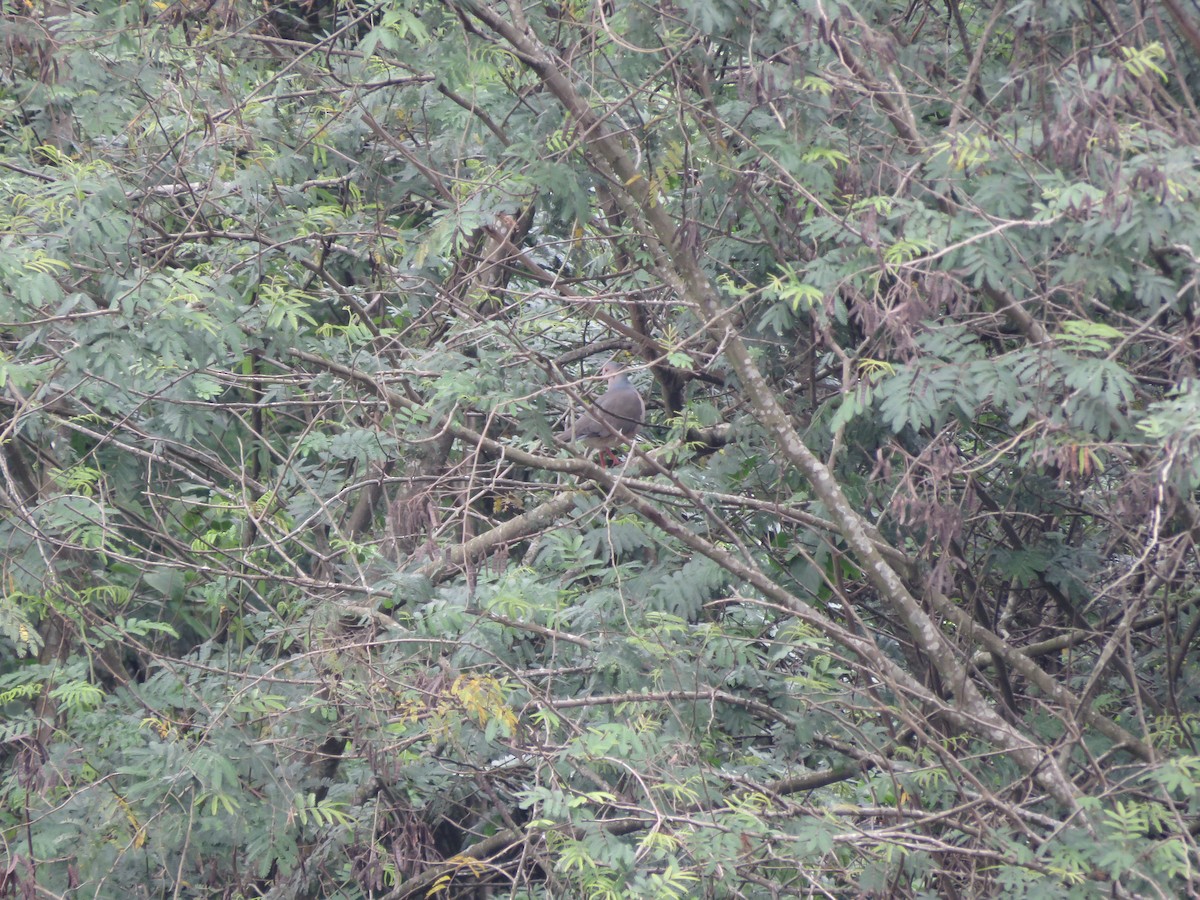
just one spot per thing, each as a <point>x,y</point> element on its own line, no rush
<point>683,273</point>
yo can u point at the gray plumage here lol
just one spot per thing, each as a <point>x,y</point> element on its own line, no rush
<point>617,415</point>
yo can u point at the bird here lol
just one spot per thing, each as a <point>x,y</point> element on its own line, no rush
<point>616,417</point>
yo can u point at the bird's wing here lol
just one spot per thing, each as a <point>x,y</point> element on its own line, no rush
<point>623,408</point>
<point>620,409</point>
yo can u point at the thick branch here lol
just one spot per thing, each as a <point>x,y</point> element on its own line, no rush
<point>683,273</point>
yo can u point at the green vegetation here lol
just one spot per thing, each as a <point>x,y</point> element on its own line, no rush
<point>897,595</point>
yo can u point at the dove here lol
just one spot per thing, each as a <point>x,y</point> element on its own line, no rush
<point>616,416</point>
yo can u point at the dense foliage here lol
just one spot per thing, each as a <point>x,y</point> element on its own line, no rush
<point>897,594</point>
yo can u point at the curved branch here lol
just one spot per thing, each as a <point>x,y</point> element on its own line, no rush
<point>683,274</point>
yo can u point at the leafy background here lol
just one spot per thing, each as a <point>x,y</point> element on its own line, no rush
<point>896,596</point>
